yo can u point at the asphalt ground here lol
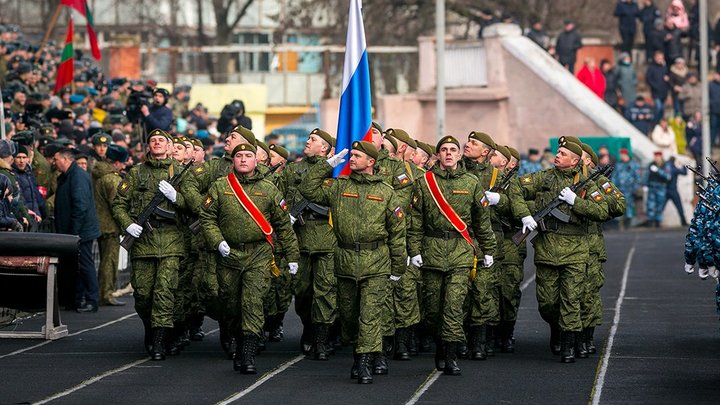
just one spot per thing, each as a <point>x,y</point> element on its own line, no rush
<point>659,344</point>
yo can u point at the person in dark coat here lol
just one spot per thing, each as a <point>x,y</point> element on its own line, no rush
<point>28,184</point>
<point>640,115</point>
<point>75,215</point>
<point>673,46</point>
<point>567,45</point>
<point>647,16</point>
<point>158,115</point>
<point>611,83</point>
<point>715,108</point>
<point>672,190</point>
<point>8,222</point>
<point>538,35</point>
<point>626,11</point>
<point>716,39</point>
<point>658,79</point>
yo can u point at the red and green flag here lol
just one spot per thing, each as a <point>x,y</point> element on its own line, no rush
<point>65,73</point>
<point>82,7</point>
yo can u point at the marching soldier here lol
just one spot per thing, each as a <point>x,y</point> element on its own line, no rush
<point>446,207</point>
<point>423,153</point>
<point>369,223</point>
<point>240,214</point>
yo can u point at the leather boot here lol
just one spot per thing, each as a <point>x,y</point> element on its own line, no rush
<point>380,363</point>
<point>401,344</point>
<point>388,344</point>
<point>173,341</point>
<point>158,349</point>
<point>451,366</point>
<point>555,339</point>
<point>228,342</point>
<point>490,340</point>
<point>249,349</point>
<point>462,350</point>
<point>477,343</point>
<point>588,338</point>
<point>507,343</point>
<point>364,360</point>
<point>321,336</point>
<point>306,340</point>
<point>261,346</point>
<point>237,356</point>
<point>567,347</point>
<point>275,328</point>
<point>354,368</point>
<point>148,337</point>
<point>580,347</point>
<point>439,356</point>
<point>196,332</point>
<point>412,340</point>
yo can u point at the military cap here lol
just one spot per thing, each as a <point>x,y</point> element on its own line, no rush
<point>245,133</point>
<point>24,138</point>
<point>117,153</point>
<point>63,142</point>
<point>101,139</point>
<point>514,152</point>
<point>366,148</point>
<point>76,99</point>
<point>392,140</point>
<point>483,137</point>
<point>279,150</point>
<point>446,139</point>
<point>426,147</point>
<point>402,136</point>
<point>21,149</point>
<point>52,148</point>
<point>264,147</point>
<point>23,67</point>
<point>324,135</point>
<point>377,126</point>
<point>624,151</point>
<point>244,147</point>
<point>159,132</point>
<point>503,151</point>
<point>574,139</point>
<point>197,142</point>
<point>571,146</point>
<point>533,151</point>
<point>587,149</point>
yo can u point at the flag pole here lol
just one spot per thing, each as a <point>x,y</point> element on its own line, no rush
<point>2,118</point>
<point>53,20</point>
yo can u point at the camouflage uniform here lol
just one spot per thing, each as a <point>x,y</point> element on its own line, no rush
<point>627,177</point>
<point>105,184</point>
<point>657,191</point>
<point>41,169</point>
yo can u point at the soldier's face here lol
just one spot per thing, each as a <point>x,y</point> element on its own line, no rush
<point>179,153</point>
<point>389,146</point>
<point>473,149</point>
<point>159,147</point>
<point>275,158</point>
<point>233,140</point>
<point>420,158</point>
<point>101,149</point>
<point>409,154</point>
<point>315,146</point>
<point>198,154</point>
<point>498,161</point>
<point>449,155</point>
<point>512,164</point>
<point>377,138</point>
<point>262,157</point>
<point>244,162</point>
<point>359,161</point>
<point>564,159</point>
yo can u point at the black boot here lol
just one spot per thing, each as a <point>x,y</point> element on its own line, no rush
<point>507,343</point>
<point>439,356</point>
<point>261,346</point>
<point>364,359</point>
<point>275,328</point>
<point>306,340</point>
<point>354,368</point>
<point>321,337</point>
<point>490,340</point>
<point>401,344</point>
<point>249,349</point>
<point>555,339</point>
<point>158,348</point>
<point>413,340</point>
<point>567,347</point>
<point>462,350</point>
<point>173,340</point>
<point>388,345</point>
<point>477,343</point>
<point>237,356</point>
<point>380,363</point>
<point>451,366</point>
<point>196,332</point>
<point>580,347</point>
<point>588,338</point>
<point>425,342</point>
<point>148,337</point>
<point>228,342</point>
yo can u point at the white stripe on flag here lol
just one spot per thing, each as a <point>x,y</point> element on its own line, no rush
<point>355,42</point>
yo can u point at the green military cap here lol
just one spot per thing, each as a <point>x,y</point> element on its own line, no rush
<point>245,133</point>
<point>264,147</point>
<point>377,126</point>
<point>514,152</point>
<point>324,135</point>
<point>101,139</point>
<point>24,137</point>
<point>244,147</point>
<point>571,146</point>
<point>47,130</point>
<point>176,139</point>
<point>402,136</point>
<point>392,140</point>
<point>426,147</point>
<point>446,139</point>
<point>367,148</point>
<point>483,137</point>
<point>503,151</point>
<point>588,149</point>
<point>279,150</point>
<point>573,139</point>
<point>159,132</point>
<point>197,142</point>
<point>63,142</point>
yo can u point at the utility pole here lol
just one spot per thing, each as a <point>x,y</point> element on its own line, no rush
<point>440,67</point>
<point>704,44</point>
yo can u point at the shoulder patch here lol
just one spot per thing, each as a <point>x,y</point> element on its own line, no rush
<point>208,201</point>
<point>327,182</point>
<point>123,187</point>
<point>283,205</point>
<point>484,202</point>
<point>461,192</point>
<point>526,179</point>
<point>375,197</point>
<point>618,194</point>
<point>199,170</point>
<point>596,196</point>
<point>399,213</point>
<point>259,194</point>
<point>607,187</point>
<point>350,195</point>
<point>403,179</point>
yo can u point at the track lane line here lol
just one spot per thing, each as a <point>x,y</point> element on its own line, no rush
<point>262,380</point>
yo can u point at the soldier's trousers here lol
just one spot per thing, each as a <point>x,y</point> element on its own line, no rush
<point>484,296</point>
<point>315,288</point>
<point>155,281</point>
<point>511,276</point>
<point>591,305</point>
<point>559,292</point>
<point>443,295</point>
<point>207,288</point>
<point>242,290</point>
<point>185,293</point>
<point>656,197</point>
<point>279,295</point>
<point>401,308</point>
<point>109,244</point>
<point>629,203</point>
<point>360,304</point>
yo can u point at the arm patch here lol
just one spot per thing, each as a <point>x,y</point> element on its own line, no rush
<point>123,187</point>
<point>208,201</point>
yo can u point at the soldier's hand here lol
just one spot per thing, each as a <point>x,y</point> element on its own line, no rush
<point>488,261</point>
<point>713,272</point>
<point>689,268</point>
<point>493,198</point>
<point>224,249</point>
<point>653,168</point>
<point>529,223</point>
<point>337,158</point>
<point>293,268</point>
<point>292,219</point>
<point>416,261</point>
<point>134,229</point>
<point>394,278</point>
<point>703,273</point>
<point>168,191</point>
<point>568,195</point>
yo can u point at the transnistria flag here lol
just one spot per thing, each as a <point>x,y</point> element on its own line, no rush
<point>355,119</point>
<point>82,7</point>
<point>64,74</point>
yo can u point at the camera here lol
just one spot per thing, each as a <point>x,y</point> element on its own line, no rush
<point>135,101</point>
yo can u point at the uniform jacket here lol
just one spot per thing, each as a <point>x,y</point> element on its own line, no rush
<point>75,205</point>
<point>29,190</point>
<point>160,117</point>
<point>105,185</point>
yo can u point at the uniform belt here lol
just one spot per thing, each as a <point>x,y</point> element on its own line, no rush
<point>594,228</point>
<point>248,245</point>
<point>358,246</point>
<point>452,234</point>
<point>563,228</point>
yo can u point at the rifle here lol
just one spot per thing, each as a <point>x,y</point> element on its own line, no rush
<point>275,167</point>
<point>552,207</point>
<point>152,208</point>
<point>712,163</point>
<point>299,208</point>
<point>707,202</point>
<point>506,181</point>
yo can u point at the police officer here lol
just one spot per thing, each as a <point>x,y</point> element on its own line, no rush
<point>369,224</point>
<point>627,177</point>
<point>657,177</point>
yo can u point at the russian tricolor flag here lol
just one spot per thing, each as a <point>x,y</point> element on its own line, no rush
<point>354,122</point>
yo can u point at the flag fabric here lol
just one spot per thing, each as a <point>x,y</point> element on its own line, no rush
<point>65,73</point>
<point>82,7</point>
<point>355,118</point>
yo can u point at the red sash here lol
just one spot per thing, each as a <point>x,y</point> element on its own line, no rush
<point>250,208</point>
<point>450,214</point>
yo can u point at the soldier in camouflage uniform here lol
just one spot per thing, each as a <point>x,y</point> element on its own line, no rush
<point>246,247</point>
<point>627,177</point>
<point>442,253</point>
<point>657,177</point>
<point>156,253</point>
<point>369,223</point>
<point>315,286</point>
<point>561,249</point>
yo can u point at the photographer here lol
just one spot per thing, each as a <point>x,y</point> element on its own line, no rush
<point>157,116</point>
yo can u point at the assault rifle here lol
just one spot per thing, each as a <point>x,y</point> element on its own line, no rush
<point>153,209</point>
<point>506,181</point>
<point>698,173</point>
<point>552,207</point>
<point>299,208</point>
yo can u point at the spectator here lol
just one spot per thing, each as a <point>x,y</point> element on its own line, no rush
<point>647,16</point>
<point>677,16</point>
<point>658,79</point>
<point>158,115</point>
<point>487,18</point>
<point>694,33</point>
<point>604,154</point>
<point>678,77</point>
<point>714,108</point>
<point>664,138</point>
<point>678,125</point>
<point>690,96</point>
<point>657,39</point>
<point>29,191</point>
<point>716,38</point>
<point>611,84</point>
<point>7,151</point>
<point>626,80</point>
<point>75,215</point>
<point>567,45</point>
<point>538,35</point>
<point>8,221</point>
<point>627,11</point>
<point>592,77</point>
<point>533,163</point>
<point>640,115</point>
<point>672,45</point>
<point>656,180</point>
<point>693,136</point>
<point>672,191</point>
<point>627,178</point>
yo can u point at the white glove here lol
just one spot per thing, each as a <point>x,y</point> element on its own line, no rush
<point>168,191</point>
<point>394,278</point>
<point>134,229</point>
<point>292,219</point>
<point>645,189</point>
<point>293,268</point>
<point>568,195</point>
<point>703,273</point>
<point>416,261</point>
<point>488,261</point>
<point>529,223</point>
<point>337,158</point>
<point>493,198</point>
<point>689,268</point>
<point>653,168</point>
<point>224,249</point>
<point>713,272</point>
